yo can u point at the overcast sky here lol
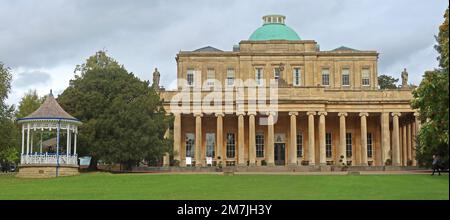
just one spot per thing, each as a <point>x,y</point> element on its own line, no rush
<point>43,40</point>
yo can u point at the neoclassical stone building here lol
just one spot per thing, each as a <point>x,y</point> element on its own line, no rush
<point>327,109</point>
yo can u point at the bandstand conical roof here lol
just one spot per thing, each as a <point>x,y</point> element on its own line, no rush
<point>49,110</point>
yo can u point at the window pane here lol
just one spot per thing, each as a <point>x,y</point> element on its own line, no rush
<point>348,143</point>
<point>190,145</point>
<point>230,76</point>
<point>369,145</point>
<point>299,145</point>
<point>258,76</point>
<point>296,76</point>
<point>276,74</point>
<point>325,77</point>
<point>365,77</point>
<point>345,77</point>
<point>260,145</point>
<point>190,77</point>
<point>328,144</point>
<point>210,143</point>
<point>230,145</point>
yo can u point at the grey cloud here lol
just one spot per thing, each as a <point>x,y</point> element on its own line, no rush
<point>144,34</point>
<point>30,79</point>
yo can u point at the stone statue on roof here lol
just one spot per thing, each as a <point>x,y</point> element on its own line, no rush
<point>156,77</point>
<point>404,79</point>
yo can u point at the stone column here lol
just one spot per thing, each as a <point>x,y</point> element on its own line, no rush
<point>322,130</point>
<point>363,116</point>
<point>177,140</point>
<point>385,138</point>
<point>241,130</point>
<point>416,133</point>
<point>409,144</point>
<point>311,143</point>
<point>219,136</point>
<point>342,132</point>
<point>198,140</point>
<point>404,145</point>
<point>396,140</point>
<point>270,140</point>
<point>252,139</point>
<point>293,142</point>
<point>166,160</point>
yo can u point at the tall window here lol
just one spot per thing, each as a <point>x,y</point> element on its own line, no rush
<point>296,76</point>
<point>345,77</point>
<point>231,145</point>
<point>369,145</point>
<point>190,77</point>
<point>260,145</point>
<point>325,77</point>
<point>230,77</point>
<point>259,76</point>
<point>276,74</point>
<point>348,144</point>
<point>190,145</point>
<point>210,143</point>
<point>299,145</point>
<point>365,77</point>
<point>211,76</point>
<point>328,151</point>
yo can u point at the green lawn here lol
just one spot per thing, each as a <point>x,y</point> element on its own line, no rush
<point>204,186</point>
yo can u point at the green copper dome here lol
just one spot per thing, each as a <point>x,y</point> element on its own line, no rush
<point>274,29</point>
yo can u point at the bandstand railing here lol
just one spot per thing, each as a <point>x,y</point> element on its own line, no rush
<point>49,158</point>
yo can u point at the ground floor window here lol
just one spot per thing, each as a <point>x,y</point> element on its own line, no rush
<point>190,145</point>
<point>210,144</point>
<point>259,145</point>
<point>328,144</point>
<point>348,144</point>
<point>369,145</point>
<point>231,145</point>
<point>299,145</point>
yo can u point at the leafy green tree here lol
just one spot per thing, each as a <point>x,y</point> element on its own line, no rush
<point>8,131</point>
<point>30,102</point>
<point>123,117</point>
<point>431,99</point>
<point>387,82</point>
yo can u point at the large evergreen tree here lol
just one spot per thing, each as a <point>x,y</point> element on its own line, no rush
<point>123,117</point>
<point>431,99</point>
<point>30,102</point>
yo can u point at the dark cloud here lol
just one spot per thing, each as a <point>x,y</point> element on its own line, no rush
<point>142,34</point>
<point>31,79</point>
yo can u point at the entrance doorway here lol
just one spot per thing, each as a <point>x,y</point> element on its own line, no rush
<point>280,154</point>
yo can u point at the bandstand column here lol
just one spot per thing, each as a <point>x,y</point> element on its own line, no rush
<point>219,131</point>
<point>31,144</point>
<point>75,143</point>
<point>363,116</point>
<point>28,139</point>
<point>342,133</point>
<point>385,138</point>
<point>68,141</point>
<point>322,146</point>
<point>396,140</point>
<point>198,140</point>
<point>177,139</point>
<point>311,143</point>
<point>293,136</point>
<point>23,138</point>
<point>241,161</point>
<point>270,140</point>
<point>252,139</point>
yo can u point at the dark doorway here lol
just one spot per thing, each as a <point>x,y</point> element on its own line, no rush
<point>280,154</point>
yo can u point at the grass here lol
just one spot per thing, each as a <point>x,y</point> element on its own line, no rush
<point>101,186</point>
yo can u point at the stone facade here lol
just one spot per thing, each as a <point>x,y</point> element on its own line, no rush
<point>329,108</point>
